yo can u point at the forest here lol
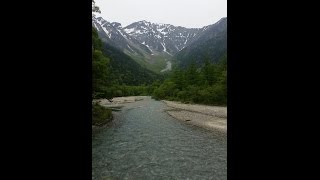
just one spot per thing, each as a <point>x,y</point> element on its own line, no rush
<point>202,85</point>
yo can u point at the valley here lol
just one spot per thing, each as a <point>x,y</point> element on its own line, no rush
<point>153,45</point>
<point>159,97</point>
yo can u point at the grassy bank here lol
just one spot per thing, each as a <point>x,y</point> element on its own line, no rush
<point>100,115</point>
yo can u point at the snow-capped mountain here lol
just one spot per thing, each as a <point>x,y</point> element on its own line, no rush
<point>146,36</point>
<point>113,33</point>
<point>211,45</point>
<point>162,37</point>
<point>145,41</point>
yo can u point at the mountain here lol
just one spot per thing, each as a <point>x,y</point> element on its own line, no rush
<point>125,70</point>
<point>211,45</point>
<point>110,66</point>
<point>152,45</point>
<point>162,37</point>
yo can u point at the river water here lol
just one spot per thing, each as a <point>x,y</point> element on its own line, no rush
<point>144,142</point>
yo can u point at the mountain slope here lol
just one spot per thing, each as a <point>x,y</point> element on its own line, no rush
<point>125,70</point>
<point>211,44</point>
<point>110,67</point>
<point>113,34</point>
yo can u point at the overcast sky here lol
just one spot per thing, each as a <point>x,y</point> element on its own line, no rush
<point>186,13</point>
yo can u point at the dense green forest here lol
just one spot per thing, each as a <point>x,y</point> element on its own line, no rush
<point>100,67</point>
<point>204,85</point>
<point>100,80</point>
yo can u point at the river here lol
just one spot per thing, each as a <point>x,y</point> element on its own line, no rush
<point>144,142</point>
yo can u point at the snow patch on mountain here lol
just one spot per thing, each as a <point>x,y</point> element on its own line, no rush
<point>129,31</point>
<point>106,31</point>
<point>185,41</point>
<point>149,48</point>
<point>164,48</point>
<point>130,48</point>
<point>125,36</point>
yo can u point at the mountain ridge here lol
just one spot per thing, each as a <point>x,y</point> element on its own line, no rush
<point>147,42</point>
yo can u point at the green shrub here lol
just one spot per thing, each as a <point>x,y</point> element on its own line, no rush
<point>100,115</point>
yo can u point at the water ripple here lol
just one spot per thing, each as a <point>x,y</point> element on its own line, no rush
<point>149,144</point>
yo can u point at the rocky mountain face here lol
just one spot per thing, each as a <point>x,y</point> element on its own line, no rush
<point>211,45</point>
<point>162,37</point>
<point>148,42</point>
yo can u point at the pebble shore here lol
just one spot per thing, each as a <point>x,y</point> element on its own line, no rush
<point>213,118</point>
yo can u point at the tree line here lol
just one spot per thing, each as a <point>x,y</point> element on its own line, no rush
<point>206,84</point>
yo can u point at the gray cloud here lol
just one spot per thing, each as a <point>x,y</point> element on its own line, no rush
<point>186,13</point>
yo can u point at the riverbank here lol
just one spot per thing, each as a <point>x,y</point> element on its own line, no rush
<point>213,118</point>
<point>118,101</point>
<point>115,104</point>
<point>100,115</point>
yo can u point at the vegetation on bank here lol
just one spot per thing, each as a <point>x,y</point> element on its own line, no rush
<point>203,85</point>
<point>100,115</point>
<point>125,90</point>
<point>100,72</point>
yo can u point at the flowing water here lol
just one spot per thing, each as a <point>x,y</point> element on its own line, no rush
<point>144,142</point>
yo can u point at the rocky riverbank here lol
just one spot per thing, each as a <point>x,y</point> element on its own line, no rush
<point>114,104</point>
<point>209,117</point>
<point>118,101</point>
<point>213,118</point>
